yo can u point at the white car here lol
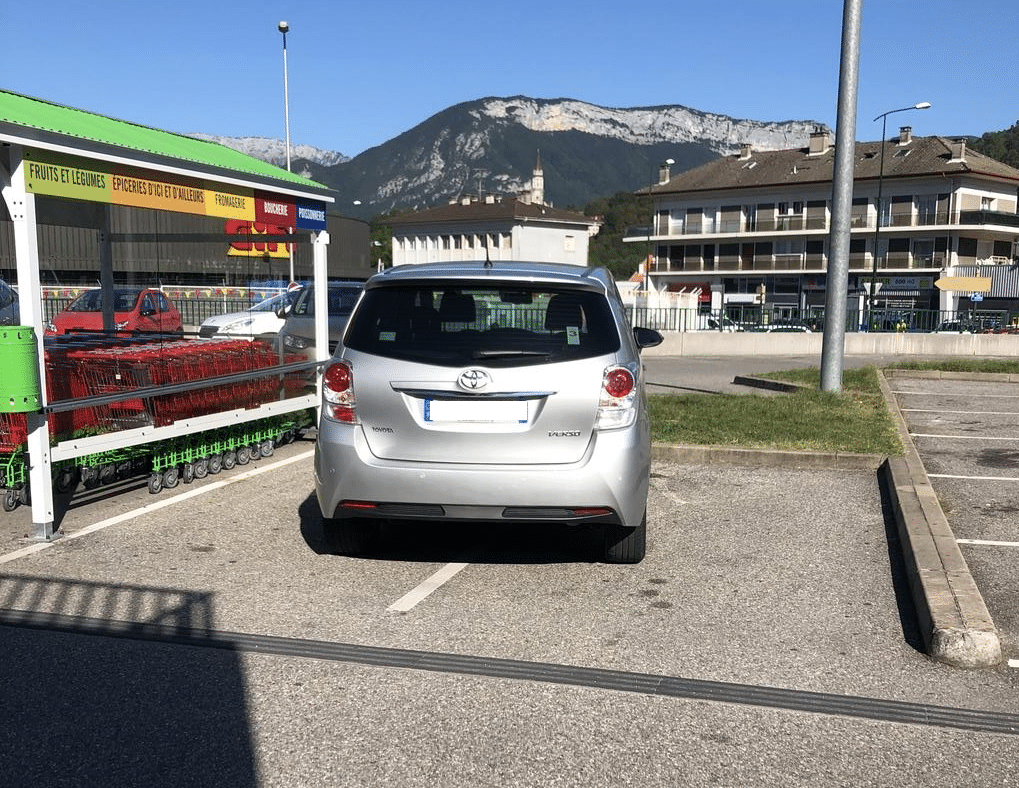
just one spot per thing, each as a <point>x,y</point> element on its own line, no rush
<point>259,321</point>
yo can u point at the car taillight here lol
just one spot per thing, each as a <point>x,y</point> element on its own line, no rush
<point>618,382</point>
<point>339,403</point>
<point>617,405</point>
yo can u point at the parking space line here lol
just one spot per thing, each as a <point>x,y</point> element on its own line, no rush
<point>973,478</point>
<point>963,437</point>
<point>1013,663</point>
<point>440,578</point>
<point>152,507</point>
<point>987,543</point>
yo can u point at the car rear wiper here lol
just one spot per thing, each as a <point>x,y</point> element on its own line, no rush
<point>510,354</point>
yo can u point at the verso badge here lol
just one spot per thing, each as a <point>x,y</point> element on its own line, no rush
<point>473,379</point>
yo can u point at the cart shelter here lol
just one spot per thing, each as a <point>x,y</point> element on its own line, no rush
<point>105,188</point>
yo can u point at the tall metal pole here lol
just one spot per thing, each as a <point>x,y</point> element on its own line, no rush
<point>836,291</point>
<point>284,28</point>
<point>883,117</point>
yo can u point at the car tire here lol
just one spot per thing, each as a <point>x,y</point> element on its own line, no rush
<point>626,545</point>
<point>350,536</point>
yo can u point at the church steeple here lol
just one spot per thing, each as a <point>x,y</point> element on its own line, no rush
<point>538,183</point>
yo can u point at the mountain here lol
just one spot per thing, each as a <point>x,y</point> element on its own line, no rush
<point>275,151</point>
<point>492,144</point>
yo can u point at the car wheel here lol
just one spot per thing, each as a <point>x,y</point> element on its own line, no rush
<point>350,536</point>
<point>625,545</point>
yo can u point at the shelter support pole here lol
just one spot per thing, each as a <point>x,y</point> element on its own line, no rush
<point>106,268</point>
<point>320,273</point>
<point>21,206</point>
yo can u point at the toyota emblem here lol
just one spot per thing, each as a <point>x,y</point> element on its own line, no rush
<point>474,379</point>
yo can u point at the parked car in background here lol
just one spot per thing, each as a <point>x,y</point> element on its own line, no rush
<point>530,411</point>
<point>134,309</point>
<point>782,325</point>
<point>259,322</point>
<point>10,309</point>
<point>953,327</point>
<point>298,332</point>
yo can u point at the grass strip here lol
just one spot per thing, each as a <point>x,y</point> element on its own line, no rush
<point>853,420</point>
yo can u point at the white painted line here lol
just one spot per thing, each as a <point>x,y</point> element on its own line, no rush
<point>958,394</point>
<point>1013,663</point>
<point>156,506</point>
<point>966,412</point>
<point>974,478</point>
<point>987,543</point>
<point>440,578</point>
<point>962,437</point>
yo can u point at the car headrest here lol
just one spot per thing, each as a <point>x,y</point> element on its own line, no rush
<point>457,308</point>
<point>562,312</point>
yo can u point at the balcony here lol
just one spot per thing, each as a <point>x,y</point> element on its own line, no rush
<point>999,218</point>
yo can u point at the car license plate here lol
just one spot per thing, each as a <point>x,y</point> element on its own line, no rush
<point>458,410</point>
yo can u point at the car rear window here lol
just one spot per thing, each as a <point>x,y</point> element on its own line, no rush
<point>496,324</point>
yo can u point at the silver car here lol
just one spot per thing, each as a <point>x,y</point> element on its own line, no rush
<point>298,332</point>
<point>509,392</point>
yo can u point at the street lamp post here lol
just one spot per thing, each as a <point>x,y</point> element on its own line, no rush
<point>883,117</point>
<point>284,28</point>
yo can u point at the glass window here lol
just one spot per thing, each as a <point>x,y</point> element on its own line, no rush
<point>494,323</point>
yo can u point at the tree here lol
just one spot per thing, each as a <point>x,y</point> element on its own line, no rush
<point>618,213</point>
<point>1000,145</point>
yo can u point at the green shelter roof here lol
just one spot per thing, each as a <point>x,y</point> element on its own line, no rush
<point>35,115</point>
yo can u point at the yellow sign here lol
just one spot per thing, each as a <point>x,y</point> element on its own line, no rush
<point>966,284</point>
<point>58,175</point>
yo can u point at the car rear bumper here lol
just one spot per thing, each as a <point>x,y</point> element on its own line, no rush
<point>612,475</point>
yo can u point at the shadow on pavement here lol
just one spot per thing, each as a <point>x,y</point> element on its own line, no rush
<point>90,697</point>
<point>897,566</point>
<point>476,542</point>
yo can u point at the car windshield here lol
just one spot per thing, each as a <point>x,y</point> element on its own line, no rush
<point>496,324</point>
<point>341,301</point>
<point>7,295</point>
<point>274,303</point>
<point>92,301</point>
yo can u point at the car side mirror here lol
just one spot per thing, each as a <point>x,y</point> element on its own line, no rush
<point>647,337</point>
<point>281,311</point>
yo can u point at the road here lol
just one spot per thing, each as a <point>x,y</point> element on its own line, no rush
<point>203,636</point>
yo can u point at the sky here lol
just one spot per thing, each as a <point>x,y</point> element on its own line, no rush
<point>361,73</point>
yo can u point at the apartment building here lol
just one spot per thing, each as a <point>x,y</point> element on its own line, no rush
<point>752,228</point>
<point>494,227</point>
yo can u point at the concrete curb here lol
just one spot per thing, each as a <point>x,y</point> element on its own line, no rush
<point>936,374</point>
<point>765,383</point>
<point>954,621</point>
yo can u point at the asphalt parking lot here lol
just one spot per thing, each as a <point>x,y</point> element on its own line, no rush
<point>204,636</point>
<point>967,434</point>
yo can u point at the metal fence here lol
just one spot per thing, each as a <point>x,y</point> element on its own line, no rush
<point>882,320</point>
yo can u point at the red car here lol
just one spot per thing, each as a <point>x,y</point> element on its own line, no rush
<point>134,309</point>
